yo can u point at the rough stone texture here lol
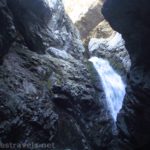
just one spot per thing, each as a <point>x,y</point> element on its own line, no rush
<point>7,29</point>
<point>34,90</point>
<point>102,30</point>
<point>43,23</point>
<point>132,20</point>
<point>113,49</point>
<point>104,42</point>
<point>90,20</point>
<point>49,97</point>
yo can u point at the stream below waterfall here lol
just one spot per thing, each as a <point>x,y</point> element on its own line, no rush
<point>114,87</point>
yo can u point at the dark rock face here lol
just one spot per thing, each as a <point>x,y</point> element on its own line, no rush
<point>113,49</point>
<point>36,91</point>
<point>43,24</point>
<point>132,20</point>
<point>7,29</point>
<point>48,97</point>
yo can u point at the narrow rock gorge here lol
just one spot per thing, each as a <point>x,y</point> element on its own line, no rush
<point>59,76</point>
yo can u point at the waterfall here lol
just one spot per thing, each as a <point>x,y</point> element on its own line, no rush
<point>112,83</point>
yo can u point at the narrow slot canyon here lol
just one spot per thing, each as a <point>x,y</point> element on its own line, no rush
<point>74,74</point>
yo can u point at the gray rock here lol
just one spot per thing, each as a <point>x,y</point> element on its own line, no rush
<point>58,53</point>
<point>44,24</point>
<point>7,28</point>
<point>112,49</point>
<point>48,98</point>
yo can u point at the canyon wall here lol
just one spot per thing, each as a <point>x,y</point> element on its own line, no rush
<point>47,92</point>
<point>132,20</point>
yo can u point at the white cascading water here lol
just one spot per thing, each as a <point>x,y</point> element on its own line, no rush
<point>112,83</point>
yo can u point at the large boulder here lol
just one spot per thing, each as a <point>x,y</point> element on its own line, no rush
<point>132,20</point>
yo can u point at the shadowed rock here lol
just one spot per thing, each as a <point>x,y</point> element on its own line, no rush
<point>7,28</point>
<point>132,20</point>
<point>48,97</point>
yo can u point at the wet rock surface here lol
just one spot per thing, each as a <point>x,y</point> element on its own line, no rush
<point>113,49</point>
<point>102,41</point>
<point>47,91</point>
<point>132,20</point>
